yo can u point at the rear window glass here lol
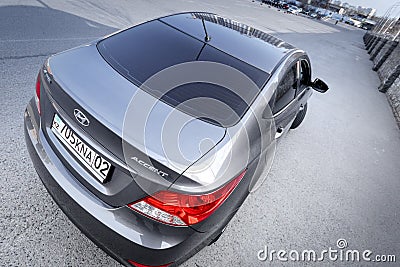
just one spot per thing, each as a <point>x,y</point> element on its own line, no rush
<point>142,51</point>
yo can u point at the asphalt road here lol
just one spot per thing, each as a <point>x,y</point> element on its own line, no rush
<point>337,176</point>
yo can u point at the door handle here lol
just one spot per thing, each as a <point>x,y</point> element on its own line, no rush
<point>279,132</point>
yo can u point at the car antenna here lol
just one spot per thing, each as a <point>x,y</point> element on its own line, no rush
<point>207,38</point>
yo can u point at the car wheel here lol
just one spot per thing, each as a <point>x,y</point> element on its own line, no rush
<point>299,118</point>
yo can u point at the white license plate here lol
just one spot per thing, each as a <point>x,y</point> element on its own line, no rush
<point>97,165</point>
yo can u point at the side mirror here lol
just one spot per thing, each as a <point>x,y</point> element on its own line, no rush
<point>319,86</point>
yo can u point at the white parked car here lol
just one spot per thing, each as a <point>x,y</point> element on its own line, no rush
<point>294,10</point>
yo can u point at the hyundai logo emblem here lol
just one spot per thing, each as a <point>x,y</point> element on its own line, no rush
<point>81,118</point>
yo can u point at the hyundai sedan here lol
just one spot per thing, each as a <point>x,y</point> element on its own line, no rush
<point>150,139</point>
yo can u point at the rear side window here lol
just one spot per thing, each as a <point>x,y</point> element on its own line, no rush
<point>305,73</point>
<point>142,51</point>
<point>286,90</point>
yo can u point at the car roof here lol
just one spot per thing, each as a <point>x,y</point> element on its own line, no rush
<point>239,40</point>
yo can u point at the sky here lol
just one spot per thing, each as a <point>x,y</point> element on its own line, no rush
<point>380,5</point>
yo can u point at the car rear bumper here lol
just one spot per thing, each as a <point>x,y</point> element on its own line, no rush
<point>122,233</point>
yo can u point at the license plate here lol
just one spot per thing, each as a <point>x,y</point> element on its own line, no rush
<point>97,165</point>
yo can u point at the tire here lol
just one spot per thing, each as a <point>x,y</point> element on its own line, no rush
<point>299,118</point>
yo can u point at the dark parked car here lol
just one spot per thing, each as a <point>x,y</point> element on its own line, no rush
<point>275,3</point>
<point>121,143</point>
<point>284,5</point>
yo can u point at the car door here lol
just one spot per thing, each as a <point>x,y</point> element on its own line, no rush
<point>284,107</point>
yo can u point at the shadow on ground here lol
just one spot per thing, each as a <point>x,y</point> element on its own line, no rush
<point>37,31</point>
<point>34,231</point>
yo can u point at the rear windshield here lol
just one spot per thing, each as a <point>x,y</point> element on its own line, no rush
<point>142,51</point>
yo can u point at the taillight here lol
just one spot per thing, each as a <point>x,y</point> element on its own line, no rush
<point>184,209</point>
<point>143,265</point>
<point>37,96</point>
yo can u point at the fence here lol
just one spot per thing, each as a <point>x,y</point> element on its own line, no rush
<point>384,50</point>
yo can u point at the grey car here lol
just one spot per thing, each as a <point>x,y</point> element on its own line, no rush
<point>150,139</point>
